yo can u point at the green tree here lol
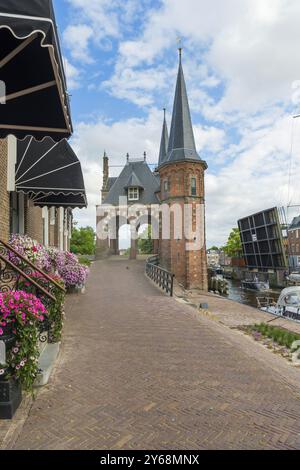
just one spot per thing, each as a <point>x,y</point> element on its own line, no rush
<point>233,247</point>
<point>145,242</point>
<point>214,248</point>
<point>83,241</point>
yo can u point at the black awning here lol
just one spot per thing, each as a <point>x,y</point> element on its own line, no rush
<point>50,171</point>
<point>71,201</point>
<point>32,77</point>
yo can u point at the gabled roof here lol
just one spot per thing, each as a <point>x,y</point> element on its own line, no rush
<point>134,171</point>
<point>181,142</point>
<point>163,151</point>
<point>133,182</point>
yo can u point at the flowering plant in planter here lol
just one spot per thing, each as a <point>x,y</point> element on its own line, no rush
<point>74,275</point>
<point>55,309</point>
<point>21,312</point>
<point>68,267</point>
<point>30,249</point>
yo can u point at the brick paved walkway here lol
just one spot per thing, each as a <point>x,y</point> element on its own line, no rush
<point>140,370</point>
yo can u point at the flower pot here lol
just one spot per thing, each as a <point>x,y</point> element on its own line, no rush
<point>10,397</point>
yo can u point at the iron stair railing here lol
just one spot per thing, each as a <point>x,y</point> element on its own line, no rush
<point>15,269</point>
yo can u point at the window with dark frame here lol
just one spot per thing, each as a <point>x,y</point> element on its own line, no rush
<point>193,186</point>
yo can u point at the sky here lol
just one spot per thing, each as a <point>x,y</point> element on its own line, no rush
<point>242,71</point>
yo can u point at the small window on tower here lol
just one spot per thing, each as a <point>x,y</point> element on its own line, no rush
<point>193,186</point>
<point>166,185</point>
<point>133,194</point>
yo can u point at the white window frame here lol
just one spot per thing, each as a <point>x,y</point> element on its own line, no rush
<point>133,194</point>
<point>11,163</point>
<point>45,215</point>
<point>61,217</point>
<point>166,185</point>
<point>52,216</point>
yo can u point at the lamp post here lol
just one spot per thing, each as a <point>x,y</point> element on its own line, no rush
<point>10,389</point>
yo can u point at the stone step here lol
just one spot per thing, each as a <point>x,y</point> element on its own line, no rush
<point>46,363</point>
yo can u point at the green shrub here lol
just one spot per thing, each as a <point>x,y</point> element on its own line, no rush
<point>84,260</point>
<point>279,335</point>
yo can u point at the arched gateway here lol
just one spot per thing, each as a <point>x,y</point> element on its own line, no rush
<point>171,199</point>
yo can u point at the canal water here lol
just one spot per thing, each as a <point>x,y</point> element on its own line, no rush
<point>247,297</point>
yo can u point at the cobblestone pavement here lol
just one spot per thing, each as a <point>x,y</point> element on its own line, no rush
<point>232,313</point>
<point>139,370</point>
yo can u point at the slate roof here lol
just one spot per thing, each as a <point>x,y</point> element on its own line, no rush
<point>163,151</point>
<point>181,142</point>
<point>111,182</point>
<point>133,182</point>
<point>137,171</point>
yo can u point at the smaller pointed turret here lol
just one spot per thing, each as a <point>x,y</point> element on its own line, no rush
<point>164,143</point>
<point>105,175</point>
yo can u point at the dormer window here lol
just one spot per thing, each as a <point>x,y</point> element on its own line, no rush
<point>133,194</point>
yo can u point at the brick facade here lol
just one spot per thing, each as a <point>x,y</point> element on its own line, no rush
<point>34,222</point>
<point>189,266</point>
<point>4,195</point>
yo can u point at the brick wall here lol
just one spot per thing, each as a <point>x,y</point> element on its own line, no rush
<point>4,195</point>
<point>34,222</point>
<point>188,265</point>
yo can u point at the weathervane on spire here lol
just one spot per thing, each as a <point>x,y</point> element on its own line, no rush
<point>179,42</point>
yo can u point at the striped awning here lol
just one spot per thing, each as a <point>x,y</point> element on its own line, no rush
<point>50,173</point>
<point>32,79</point>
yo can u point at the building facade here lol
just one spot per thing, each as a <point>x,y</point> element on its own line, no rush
<point>51,226</point>
<point>176,187</point>
<point>294,244</point>
<point>213,258</point>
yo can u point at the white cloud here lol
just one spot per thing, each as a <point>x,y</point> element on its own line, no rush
<point>240,63</point>
<point>251,46</point>
<point>255,178</point>
<point>77,38</point>
<point>72,75</point>
<point>131,135</point>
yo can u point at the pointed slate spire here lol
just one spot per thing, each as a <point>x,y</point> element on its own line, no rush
<point>181,142</point>
<point>163,151</point>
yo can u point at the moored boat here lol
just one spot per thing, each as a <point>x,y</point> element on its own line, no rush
<point>255,285</point>
<point>287,306</point>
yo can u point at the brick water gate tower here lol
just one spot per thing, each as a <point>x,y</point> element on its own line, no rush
<point>176,184</point>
